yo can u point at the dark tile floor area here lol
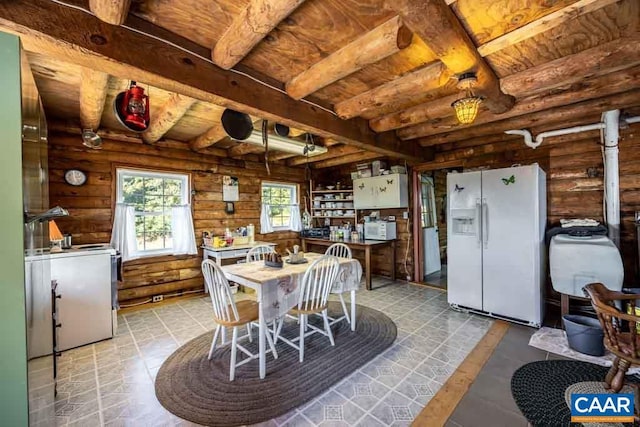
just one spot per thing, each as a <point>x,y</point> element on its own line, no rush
<point>438,279</point>
<point>488,402</point>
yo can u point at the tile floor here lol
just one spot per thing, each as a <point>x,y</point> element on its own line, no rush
<point>111,383</point>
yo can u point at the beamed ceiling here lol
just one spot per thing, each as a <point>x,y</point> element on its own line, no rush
<point>368,78</point>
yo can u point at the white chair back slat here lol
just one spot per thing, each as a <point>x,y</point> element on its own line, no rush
<point>317,282</point>
<point>340,250</point>
<point>224,306</point>
<point>258,253</point>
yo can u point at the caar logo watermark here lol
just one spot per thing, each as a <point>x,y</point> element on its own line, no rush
<point>604,408</point>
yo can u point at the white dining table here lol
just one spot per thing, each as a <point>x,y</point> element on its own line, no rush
<point>277,290</point>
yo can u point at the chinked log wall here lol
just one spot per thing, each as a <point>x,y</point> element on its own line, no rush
<point>90,206</point>
<point>574,169</point>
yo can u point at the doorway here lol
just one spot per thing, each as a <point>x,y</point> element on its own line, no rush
<point>430,232</point>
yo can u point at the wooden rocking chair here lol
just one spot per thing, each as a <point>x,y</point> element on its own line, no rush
<point>620,333</point>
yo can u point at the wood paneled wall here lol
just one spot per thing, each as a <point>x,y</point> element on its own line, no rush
<point>381,261</point>
<point>90,206</point>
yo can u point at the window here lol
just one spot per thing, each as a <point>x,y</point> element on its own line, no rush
<point>153,195</point>
<point>280,198</point>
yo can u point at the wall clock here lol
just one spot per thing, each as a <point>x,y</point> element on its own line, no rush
<point>75,177</point>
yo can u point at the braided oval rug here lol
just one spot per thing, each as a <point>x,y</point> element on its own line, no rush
<point>198,390</point>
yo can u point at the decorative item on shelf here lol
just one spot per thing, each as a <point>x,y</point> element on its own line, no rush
<point>273,259</point>
<point>132,108</point>
<point>91,139</point>
<point>55,237</point>
<point>467,107</point>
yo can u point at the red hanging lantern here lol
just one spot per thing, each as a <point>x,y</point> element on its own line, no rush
<point>132,108</point>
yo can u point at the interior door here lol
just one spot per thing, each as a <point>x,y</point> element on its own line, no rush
<point>510,241</point>
<point>429,225</point>
<point>464,250</point>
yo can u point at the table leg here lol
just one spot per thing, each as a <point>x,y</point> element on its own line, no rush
<point>304,245</point>
<point>393,260</point>
<point>261,339</point>
<point>367,266</point>
<point>353,310</point>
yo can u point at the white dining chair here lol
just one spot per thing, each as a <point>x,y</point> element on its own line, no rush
<point>257,253</point>
<point>340,250</point>
<point>314,294</point>
<point>229,314</point>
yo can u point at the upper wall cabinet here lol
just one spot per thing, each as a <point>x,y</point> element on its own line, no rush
<point>381,192</point>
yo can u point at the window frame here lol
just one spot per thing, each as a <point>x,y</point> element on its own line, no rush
<point>295,199</point>
<point>122,171</point>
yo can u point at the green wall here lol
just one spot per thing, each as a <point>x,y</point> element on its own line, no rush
<point>13,342</point>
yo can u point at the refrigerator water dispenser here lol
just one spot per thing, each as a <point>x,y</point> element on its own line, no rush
<point>463,222</point>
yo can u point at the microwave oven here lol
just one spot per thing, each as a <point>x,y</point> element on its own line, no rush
<point>380,230</point>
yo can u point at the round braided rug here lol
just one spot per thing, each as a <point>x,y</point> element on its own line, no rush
<point>198,390</point>
<point>539,389</point>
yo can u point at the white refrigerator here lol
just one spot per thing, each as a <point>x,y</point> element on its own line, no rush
<point>495,242</point>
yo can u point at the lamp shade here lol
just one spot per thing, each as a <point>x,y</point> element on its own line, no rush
<point>467,109</point>
<point>54,232</point>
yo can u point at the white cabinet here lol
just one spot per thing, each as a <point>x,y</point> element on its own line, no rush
<point>84,307</point>
<point>381,192</point>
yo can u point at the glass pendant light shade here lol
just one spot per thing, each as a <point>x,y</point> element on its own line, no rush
<point>467,109</point>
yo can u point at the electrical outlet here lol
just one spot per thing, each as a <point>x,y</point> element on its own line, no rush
<point>405,214</point>
<point>158,298</point>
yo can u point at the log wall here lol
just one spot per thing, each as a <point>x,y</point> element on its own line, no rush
<point>90,206</point>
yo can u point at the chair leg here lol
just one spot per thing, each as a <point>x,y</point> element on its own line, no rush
<point>278,330</point>
<point>302,320</point>
<point>234,348</point>
<point>327,328</point>
<point>249,332</point>
<point>224,336</point>
<point>618,379</point>
<point>344,309</point>
<point>213,343</point>
<point>612,372</point>
<point>271,343</point>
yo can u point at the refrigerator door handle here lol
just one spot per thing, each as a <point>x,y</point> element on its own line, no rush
<point>485,223</point>
<point>478,219</point>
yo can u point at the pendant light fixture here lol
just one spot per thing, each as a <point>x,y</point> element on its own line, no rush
<point>132,108</point>
<point>467,107</point>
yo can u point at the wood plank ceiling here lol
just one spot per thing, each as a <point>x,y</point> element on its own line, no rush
<point>380,75</point>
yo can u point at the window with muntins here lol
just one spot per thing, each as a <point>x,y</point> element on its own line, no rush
<point>280,198</point>
<point>153,195</point>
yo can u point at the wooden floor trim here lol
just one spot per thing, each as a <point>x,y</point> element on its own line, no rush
<point>442,405</point>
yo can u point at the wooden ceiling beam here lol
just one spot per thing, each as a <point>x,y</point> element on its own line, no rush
<point>545,23</point>
<point>426,79</point>
<point>212,136</point>
<point>342,160</point>
<point>44,28</point>
<point>595,87</point>
<point>438,26</point>
<point>243,148</point>
<point>169,114</point>
<point>93,94</point>
<point>333,152</point>
<point>605,58</point>
<point>249,27</point>
<point>112,12</point>
<point>379,43</point>
<point>558,115</point>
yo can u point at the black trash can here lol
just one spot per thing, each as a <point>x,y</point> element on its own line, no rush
<point>584,334</point>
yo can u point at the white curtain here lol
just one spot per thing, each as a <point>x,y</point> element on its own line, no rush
<point>184,238</point>
<point>265,220</point>
<point>296,221</point>
<point>123,234</point>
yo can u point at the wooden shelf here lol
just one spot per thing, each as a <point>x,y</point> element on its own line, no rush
<point>342,216</point>
<point>332,191</point>
<point>333,209</point>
